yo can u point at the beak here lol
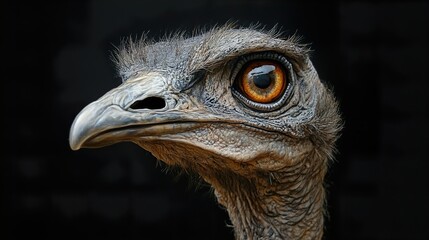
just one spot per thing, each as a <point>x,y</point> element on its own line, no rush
<point>124,113</point>
<point>96,118</point>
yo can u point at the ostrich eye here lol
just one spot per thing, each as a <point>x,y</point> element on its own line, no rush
<point>262,81</point>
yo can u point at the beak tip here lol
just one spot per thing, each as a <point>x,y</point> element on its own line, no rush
<point>88,123</point>
<point>74,146</point>
<point>78,132</point>
<point>74,142</point>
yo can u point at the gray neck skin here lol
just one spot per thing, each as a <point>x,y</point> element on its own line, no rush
<point>281,205</point>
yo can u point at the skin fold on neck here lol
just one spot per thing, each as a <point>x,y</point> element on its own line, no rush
<point>286,204</point>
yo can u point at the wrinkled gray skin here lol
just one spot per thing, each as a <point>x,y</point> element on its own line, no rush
<point>266,168</point>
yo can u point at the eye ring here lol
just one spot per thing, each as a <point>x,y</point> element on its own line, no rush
<point>259,103</point>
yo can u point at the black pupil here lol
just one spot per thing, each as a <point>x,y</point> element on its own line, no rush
<point>262,76</point>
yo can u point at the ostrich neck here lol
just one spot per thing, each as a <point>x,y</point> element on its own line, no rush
<point>285,204</point>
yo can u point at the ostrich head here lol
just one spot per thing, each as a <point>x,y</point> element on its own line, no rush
<point>241,107</point>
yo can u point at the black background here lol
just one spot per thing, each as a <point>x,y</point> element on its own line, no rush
<point>56,59</point>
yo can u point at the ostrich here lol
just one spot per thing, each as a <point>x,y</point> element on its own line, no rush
<point>241,107</point>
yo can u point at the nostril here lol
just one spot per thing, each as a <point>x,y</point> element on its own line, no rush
<point>149,103</point>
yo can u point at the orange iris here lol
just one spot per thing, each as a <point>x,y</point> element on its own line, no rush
<point>262,81</point>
